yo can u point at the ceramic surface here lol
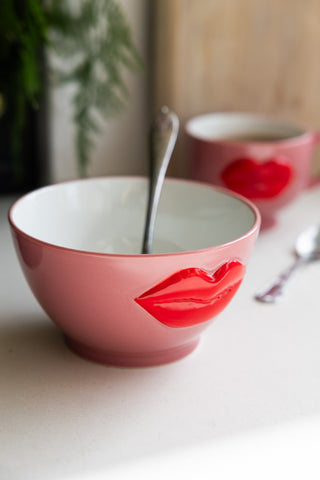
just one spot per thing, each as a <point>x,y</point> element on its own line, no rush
<point>271,173</point>
<point>79,247</point>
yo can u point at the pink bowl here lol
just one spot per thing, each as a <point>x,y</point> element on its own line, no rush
<point>260,157</point>
<point>79,244</point>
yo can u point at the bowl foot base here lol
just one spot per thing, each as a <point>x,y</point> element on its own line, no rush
<point>134,359</point>
<point>268,222</point>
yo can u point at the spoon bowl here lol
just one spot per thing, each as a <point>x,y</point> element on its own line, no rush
<point>307,249</point>
<point>308,243</point>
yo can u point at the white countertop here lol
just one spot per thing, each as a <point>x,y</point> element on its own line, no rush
<point>245,404</point>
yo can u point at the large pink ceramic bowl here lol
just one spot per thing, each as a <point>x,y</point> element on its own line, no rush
<point>79,247</point>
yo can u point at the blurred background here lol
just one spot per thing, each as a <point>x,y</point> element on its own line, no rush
<point>194,56</point>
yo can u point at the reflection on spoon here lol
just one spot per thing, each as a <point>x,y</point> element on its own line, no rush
<point>307,249</point>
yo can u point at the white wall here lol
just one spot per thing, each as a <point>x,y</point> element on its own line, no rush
<point>121,149</point>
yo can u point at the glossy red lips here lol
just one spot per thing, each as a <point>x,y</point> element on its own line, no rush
<point>257,180</point>
<point>192,296</point>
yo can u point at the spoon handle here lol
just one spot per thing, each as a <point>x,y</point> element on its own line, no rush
<point>163,136</point>
<point>275,291</point>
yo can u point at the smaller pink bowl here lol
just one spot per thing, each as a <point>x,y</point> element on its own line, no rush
<point>260,157</point>
<point>79,245</point>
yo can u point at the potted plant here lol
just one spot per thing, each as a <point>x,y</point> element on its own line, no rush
<point>92,43</point>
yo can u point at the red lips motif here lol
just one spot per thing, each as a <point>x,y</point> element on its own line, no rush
<point>192,296</point>
<point>257,180</point>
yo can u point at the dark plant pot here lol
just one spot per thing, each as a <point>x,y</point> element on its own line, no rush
<point>28,170</point>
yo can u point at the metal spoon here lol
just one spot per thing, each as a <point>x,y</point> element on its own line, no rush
<point>163,136</point>
<point>307,249</point>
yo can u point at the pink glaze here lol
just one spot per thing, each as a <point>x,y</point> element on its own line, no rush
<point>92,296</point>
<point>270,173</point>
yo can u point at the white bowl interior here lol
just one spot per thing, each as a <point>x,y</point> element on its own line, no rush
<point>217,126</point>
<point>107,215</point>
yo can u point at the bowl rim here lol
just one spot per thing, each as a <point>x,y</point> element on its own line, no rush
<point>254,229</point>
<point>302,133</point>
